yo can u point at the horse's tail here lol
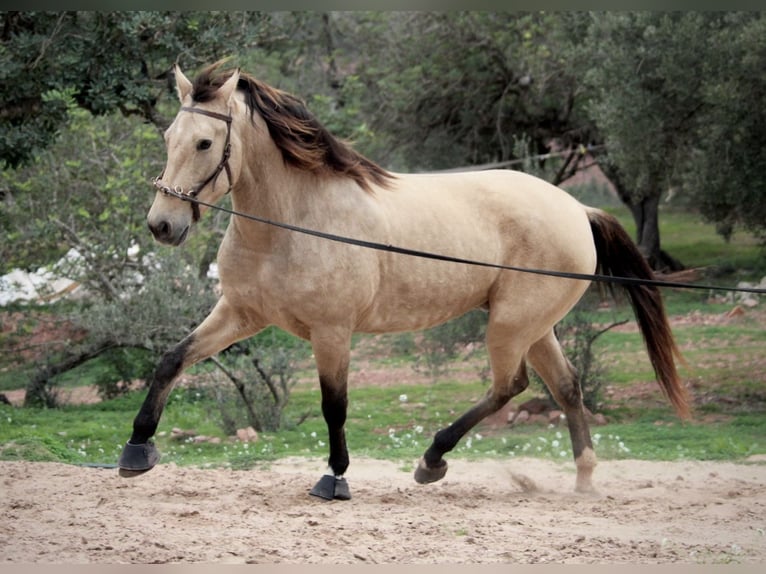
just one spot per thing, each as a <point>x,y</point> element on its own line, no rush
<point>618,255</point>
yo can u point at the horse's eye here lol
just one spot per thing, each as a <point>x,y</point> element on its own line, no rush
<point>204,144</point>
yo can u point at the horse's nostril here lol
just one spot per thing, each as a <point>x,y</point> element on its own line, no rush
<point>160,230</point>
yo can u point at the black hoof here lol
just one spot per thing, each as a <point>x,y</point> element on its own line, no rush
<point>425,474</point>
<point>138,458</point>
<point>331,488</point>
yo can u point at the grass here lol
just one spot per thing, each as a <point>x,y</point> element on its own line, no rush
<point>397,423</point>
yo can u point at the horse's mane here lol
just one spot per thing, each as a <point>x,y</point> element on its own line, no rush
<point>304,142</point>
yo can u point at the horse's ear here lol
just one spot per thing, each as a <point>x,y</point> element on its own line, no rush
<point>228,87</point>
<point>183,85</point>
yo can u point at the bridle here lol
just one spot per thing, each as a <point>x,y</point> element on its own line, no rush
<point>223,164</point>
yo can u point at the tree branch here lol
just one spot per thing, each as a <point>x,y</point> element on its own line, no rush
<point>240,386</point>
<point>85,252</point>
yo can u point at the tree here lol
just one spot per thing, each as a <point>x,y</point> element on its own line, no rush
<point>103,61</point>
<point>454,89</point>
<point>725,176</point>
<point>89,191</point>
<point>647,97</point>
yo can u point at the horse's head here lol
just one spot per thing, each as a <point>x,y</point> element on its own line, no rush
<point>199,165</point>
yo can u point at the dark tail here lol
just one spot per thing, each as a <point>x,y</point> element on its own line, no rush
<point>619,256</point>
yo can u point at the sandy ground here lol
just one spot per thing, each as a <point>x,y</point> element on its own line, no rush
<point>645,512</point>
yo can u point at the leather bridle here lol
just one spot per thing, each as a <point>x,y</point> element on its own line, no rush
<point>222,165</point>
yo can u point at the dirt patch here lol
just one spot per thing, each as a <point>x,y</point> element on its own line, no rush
<point>516,511</point>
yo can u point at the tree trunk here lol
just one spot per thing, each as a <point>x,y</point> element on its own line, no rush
<point>647,218</point>
<point>40,393</point>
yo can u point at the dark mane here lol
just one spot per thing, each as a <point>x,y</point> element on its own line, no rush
<point>305,143</point>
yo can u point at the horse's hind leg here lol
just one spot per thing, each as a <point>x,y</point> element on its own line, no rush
<point>223,327</point>
<point>509,379</point>
<point>548,360</point>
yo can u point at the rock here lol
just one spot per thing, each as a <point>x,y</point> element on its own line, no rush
<point>599,420</point>
<point>520,418</point>
<point>248,434</point>
<point>500,418</point>
<point>555,417</point>
<point>179,434</point>
<point>536,406</point>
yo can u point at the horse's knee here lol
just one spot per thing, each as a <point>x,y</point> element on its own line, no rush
<point>567,391</point>
<point>172,362</point>
<point>500,394</point>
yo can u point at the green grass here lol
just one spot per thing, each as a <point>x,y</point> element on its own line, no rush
<point>382,424</point>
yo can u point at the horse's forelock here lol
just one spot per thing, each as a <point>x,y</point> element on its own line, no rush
<point>207,82</point>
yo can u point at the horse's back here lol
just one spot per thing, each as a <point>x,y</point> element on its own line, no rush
<point>503,216</point>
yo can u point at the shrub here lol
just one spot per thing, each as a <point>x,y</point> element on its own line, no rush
<point>441,344</point>
<point>577,333</point>
<point>253,380</point>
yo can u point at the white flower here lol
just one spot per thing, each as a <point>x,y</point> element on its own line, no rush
<point>402,398</point>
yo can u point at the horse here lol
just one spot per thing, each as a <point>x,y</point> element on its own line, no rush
<point>236,134</point>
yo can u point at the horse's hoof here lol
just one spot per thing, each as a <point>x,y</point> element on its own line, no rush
<point>138,458</point>
<point>330,487</point>
<point>425,474</point>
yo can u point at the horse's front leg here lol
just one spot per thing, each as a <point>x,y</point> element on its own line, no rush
<point>331,351</point>
<point>223,327</point>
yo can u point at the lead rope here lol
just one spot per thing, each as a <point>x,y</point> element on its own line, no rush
<point>438,257</point>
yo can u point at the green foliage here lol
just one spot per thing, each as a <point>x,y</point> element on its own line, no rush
<point>106,61</point>
<point>727,168</point>
<point>676,97</point>
<point>254,380</point>
<point>453,89</point>
<point>88,192</point>
<point>130,331</point>
<point>646,85</point>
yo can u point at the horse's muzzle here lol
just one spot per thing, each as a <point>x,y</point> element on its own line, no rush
<point>166,233</point>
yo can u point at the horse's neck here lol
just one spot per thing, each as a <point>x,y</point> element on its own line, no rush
<point>276,192</point>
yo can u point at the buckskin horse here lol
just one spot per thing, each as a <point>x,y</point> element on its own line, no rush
<point>236,134</point>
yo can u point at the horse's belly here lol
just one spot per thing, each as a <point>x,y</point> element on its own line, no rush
<point>429,295</point>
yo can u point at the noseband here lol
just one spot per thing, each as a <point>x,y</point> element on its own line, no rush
<point>223,164</point>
